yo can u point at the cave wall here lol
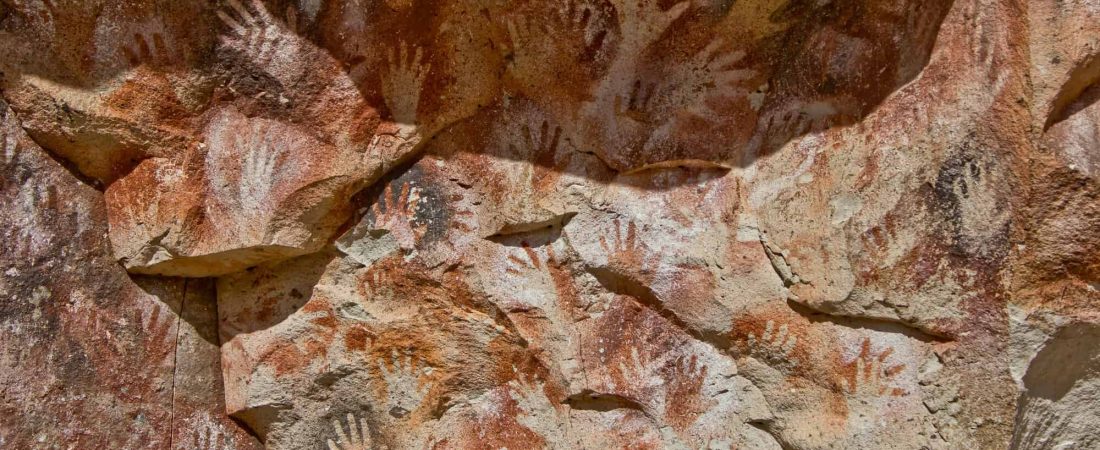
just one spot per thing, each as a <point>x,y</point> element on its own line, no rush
<point>349,224</point>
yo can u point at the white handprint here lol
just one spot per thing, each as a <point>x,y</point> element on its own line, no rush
<point>641,22</point>
<point>404,390</point>
<point>709,77</point>
<point>264,40</point>
<point>258,169</point>
<point>774,345</point>
<point>210,437</point>
<point>356,438</point>
<point>537,412</point>
<point>402,82</point>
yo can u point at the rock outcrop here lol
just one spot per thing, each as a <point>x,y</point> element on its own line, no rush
<point>351,224</point>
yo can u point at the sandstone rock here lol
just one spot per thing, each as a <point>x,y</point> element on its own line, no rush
<point>360,224</point>
<point>93,358</point>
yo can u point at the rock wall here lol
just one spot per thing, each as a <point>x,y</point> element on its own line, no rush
<point>351,224</point>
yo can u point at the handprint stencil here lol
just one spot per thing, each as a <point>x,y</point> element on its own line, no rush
<point>708,78</point>
<point>540,147</point>
<point>638,103</point>
<point>156,327</point>
<point>403,81</point>
<point>642,22</point>
<point>774,346</point>
<point>530,281</point>
<point>397,213</point>
<point>641,371</point>
<point>405,391</point>
<point>209,436</point>
<point>536,411</point>
<point>529,50</point>
<point>263,40</point>
<point>252,29</point>
<point>258,170</point>
<point>357,436</point>
<point>531,260</point>
<point>150,48</point>
<point>872,375</point>
<point>686,401</point>
<point>576,18</point>
<point>623,246</point>
<point>555,38</point>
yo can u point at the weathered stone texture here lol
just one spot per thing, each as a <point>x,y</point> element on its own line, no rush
<point>350,224</point>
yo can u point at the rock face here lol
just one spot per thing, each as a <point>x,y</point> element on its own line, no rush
<point>351,224</point>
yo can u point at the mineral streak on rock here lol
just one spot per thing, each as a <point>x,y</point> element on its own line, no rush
<point>370,224</point>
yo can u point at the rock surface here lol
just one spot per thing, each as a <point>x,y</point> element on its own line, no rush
<point>351,224</point>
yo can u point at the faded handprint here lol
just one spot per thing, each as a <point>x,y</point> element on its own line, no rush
<point>876,243</point>
<point>397,214</point>
<point>540,151</point>
<point>530,262</point>
<point>559,37</point>
<point>642,22</point>
<point>872,377</point>
<point>531,50</point>
<point>536,411</point>
<point>616,115</point>
<point>625,250</point>
<point>356,438</point>
<point>373,283</point>
<point>788,126</point>
<point>685,391</point>
<point>90,321</point>
<point>464,219</point>
<point>688,374</point>
<point>530,283</point>
<point>257,177</point>
<point>638,103</point>
<point>156,327</point>
<point>640,373</point>
<point>264,40</point>
<point>575,19</point>
<point>709,77</point>
<point>402,83</point>
<point>404,390</point>
<point>251,31</point>
<point>210,437</point>
<point>535,287</point>
<point>150,49</point>
<point>774,346</point>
